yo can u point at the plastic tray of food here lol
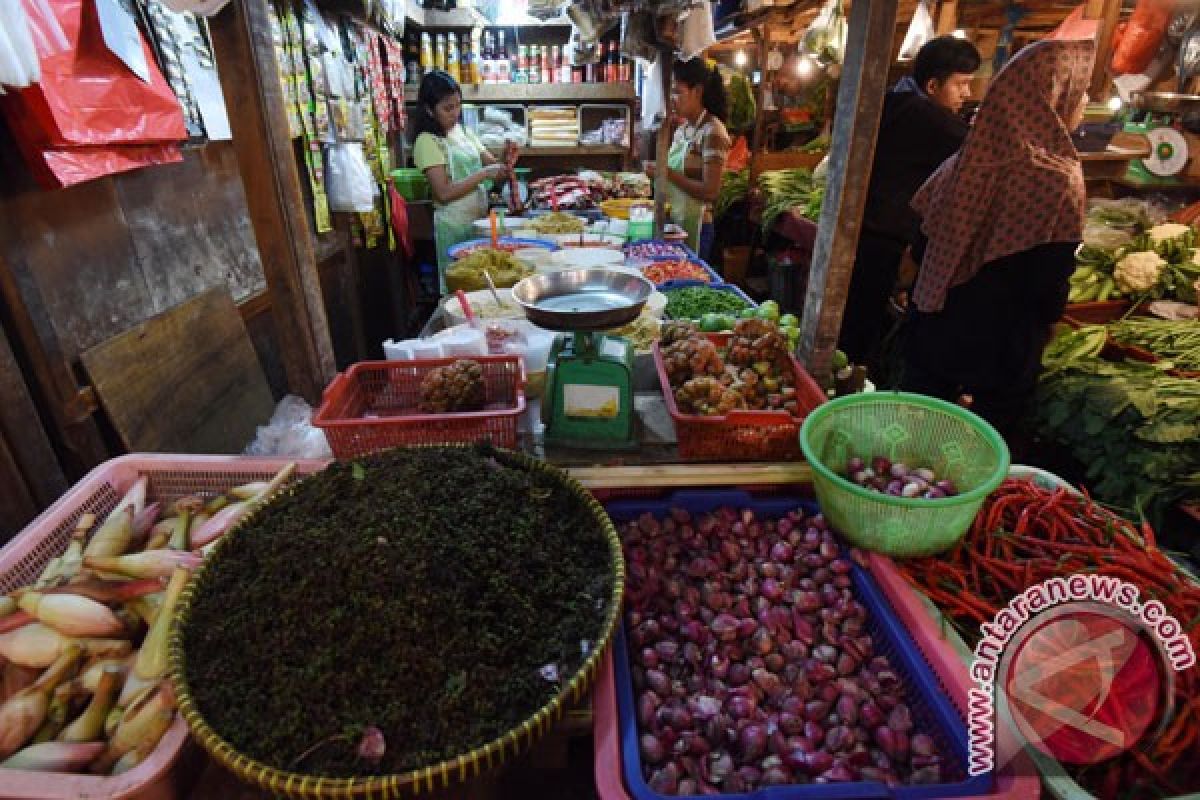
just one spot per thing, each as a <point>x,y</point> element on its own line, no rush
<point>721,287</point>
<point>741,435</point>
<point>168,772</point>
<point>660,250</point>
<point>373,406</point>
<point>508,244</point>
<point>933,713</point>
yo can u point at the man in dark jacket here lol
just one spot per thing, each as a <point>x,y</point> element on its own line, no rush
<point>919,129</point>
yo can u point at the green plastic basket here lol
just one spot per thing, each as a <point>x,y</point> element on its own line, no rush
<point>915,430</point>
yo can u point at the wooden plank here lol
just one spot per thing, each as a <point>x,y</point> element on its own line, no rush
<point>1110,16</point>
<point>760,99</point>
<point>764,162</point>
<point>947,19</point>
<point>30,464</point>
<point>53,384</point>
<point>859,104</point>
<point>184,381</point>
<point>350,289</point>
<point>663,145</point>
<point>250,82</point>
<point>189,228</point>
<point>684,475</point>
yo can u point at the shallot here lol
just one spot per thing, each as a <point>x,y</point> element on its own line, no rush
<point>897,479</point>
<point>753,662</point>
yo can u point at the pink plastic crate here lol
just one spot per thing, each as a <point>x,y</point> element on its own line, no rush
<point>168,773</point>
<point>1019,781</point>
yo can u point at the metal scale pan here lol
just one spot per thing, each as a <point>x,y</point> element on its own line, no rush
<point>583,299</point>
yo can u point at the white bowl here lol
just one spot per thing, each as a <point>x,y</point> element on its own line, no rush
<point>571,240</point>
<point>481,301</point>
<point>511,224</point>
<point>588,258</point>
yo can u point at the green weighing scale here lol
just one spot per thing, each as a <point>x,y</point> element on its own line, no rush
<point>588,401</point>
<point>1159,117</point>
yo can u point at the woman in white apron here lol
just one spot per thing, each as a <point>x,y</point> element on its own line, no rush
<point>459,168</point>
<point>698,151</point>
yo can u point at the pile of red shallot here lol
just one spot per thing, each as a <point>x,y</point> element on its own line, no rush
<point>752,664</point>
<point>895,479</point>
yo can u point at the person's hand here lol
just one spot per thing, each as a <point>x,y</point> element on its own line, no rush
<point>494,172</point>
<point>649,168</point>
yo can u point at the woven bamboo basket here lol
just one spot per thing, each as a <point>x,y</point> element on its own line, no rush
<point>452,777</point>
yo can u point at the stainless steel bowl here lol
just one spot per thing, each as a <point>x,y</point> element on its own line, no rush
<point>1164,102</point>
<point>582,299</point>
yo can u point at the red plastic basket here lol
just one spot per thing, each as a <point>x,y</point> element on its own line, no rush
<point>373,406</point>
<point>169,771</point>
<point>741,435</point>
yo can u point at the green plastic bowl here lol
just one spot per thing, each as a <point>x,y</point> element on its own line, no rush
<point>912,429</point>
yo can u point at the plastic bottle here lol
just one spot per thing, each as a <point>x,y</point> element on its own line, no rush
<point>439,52</point>
<point>452,65</point>
<point>535,64</point>
<point>503,66</point>
<point>426,53</point>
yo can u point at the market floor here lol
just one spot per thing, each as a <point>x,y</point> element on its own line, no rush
<point>552,772</point>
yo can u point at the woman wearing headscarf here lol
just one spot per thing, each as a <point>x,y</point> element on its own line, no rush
<point>1001,219</point>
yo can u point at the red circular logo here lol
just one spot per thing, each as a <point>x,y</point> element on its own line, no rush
<point>1084,687</point>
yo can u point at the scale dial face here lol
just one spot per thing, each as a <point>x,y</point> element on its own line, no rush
<point>1168,152</point>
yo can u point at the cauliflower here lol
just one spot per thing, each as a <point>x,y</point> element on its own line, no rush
<point>1167,232</point>
<point>1138,272</point>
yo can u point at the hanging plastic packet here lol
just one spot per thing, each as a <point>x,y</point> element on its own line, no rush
<point>920,31</point>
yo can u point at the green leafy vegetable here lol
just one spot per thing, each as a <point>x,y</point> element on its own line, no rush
<point>734,186</point>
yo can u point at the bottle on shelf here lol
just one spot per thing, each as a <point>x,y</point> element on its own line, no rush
<point>545,64</point>
<point>535,64</point>
<point>503,66</point>
<point>626,69</point>
<point>412,58</point>
<point>552,63</point>
<point>589,73</point>
<point>613,69</point>
<point>439,51</point>
<point>521,75</point>
<point>488,59</point>
<point>452,64</point>
<point>425,60</point>
<point>476,73</point>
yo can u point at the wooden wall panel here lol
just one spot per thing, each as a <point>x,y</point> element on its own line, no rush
<point>189,228</point>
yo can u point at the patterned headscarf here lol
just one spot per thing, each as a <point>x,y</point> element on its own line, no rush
<point>1017,182</point>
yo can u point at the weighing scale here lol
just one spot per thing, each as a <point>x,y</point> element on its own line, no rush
<point>588,402</point>
<point>1161,118</point>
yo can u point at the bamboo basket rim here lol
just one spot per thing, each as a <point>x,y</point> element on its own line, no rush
<point>427,780</point>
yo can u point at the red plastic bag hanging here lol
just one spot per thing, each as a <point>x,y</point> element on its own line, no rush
<point>400,222</point>
<point>87,96</point>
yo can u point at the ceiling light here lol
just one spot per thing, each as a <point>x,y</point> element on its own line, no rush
<point>739,58</point>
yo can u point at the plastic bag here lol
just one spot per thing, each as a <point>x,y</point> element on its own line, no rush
<point>825,38</point>
<point>654,105</point>
<point>920,31</point>
<point>290,433</point>
<point>19,66</point>
<point>48,36</point>
<point>88,97</point>
<point>348,179</point>
<point>640,40</point>
<point>697,34</point>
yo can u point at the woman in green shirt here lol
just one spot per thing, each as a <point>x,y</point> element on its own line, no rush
<point>459,168</point>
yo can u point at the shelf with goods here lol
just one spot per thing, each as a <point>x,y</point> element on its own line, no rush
<point>539,92</point>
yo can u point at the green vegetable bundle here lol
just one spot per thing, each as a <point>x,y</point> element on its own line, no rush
<point>693,302</point>
<point>1135,427</point>
<point>785,189</point>
<point>742,107</point>
<point>734,186</point>
<point>1176,342</point>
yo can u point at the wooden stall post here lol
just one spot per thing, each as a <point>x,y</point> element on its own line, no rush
<point>667,59</point>
<point>947,20</point>
<point>1109,13</point>
<point>250,82</point>
<point>859,104</point>
<point>762,46</point>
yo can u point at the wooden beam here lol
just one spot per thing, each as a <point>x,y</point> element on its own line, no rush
<point>859,104</point>
<point>666,58</point>
<point>54,388</point>
<point>250,82</point>
<point>947,20</point>
<point>1111,14</point>
<point>760,39</point>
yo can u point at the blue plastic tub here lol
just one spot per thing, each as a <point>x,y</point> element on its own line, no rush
<point>932,711</point>
<point>684,250</point>
<point>514,241</point>
<point>724,287</point>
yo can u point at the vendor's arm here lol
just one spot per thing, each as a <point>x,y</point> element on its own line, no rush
<point>707,187</point>
<point>430,158</point>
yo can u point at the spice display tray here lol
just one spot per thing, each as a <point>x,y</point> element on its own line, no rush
<point>372,406</point>
<point>687,252</point>
<point>678,283</point>
<point>932,711</point>
<point>740,435</point>
<point>723,287</point>
<point>168,772</point>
